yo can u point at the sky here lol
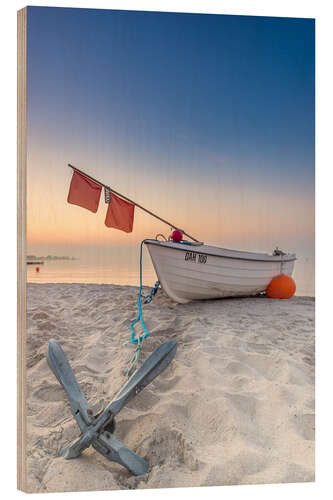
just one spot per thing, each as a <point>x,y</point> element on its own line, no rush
<point>207,120</point>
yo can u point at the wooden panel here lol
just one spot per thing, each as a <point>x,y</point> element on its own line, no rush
<point>21,244</point>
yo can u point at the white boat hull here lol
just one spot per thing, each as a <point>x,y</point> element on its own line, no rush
<point>203,272</point>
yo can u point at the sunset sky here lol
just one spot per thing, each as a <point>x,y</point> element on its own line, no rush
<point>206,119</point>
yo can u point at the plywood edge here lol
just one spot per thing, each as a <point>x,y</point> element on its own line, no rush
<point>21,246</point>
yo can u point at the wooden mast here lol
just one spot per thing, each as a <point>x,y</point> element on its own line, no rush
<point>131,201</point>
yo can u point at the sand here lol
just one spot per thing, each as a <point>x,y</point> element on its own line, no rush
<point>235,406</point>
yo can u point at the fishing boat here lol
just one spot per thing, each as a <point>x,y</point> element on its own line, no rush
<point>194,271</point>
<point>191,270</point>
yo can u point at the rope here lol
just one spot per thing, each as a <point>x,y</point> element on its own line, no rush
<point>135,358</point>
<point>139,340</point>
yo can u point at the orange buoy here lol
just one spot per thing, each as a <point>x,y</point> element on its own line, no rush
<point>37,269</point>
<point>281,287</point>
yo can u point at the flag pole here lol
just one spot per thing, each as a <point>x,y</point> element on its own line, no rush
<point>131,201</point>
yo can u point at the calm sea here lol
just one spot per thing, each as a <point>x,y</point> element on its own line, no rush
<point>127,273</point>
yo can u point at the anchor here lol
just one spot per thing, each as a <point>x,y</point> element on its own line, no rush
<point>98,430</point>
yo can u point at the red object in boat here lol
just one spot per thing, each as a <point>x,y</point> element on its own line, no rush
<point>37,269</point>
<point>177,236</point>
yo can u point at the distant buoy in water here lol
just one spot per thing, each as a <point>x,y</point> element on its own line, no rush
<point>177,236</point>
<point>281,287</point>
<point>37,269</point>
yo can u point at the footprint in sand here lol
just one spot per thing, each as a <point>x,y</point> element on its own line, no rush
<point>304,425</point>
<point>40,315</point>
<point>236,470</point>
<point>49,392</point>
<point>165,384</point>
<point>168,446</point>
<point>45,326</point>
<point>145,401</point>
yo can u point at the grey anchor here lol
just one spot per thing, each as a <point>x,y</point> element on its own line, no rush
<point>98,430</point>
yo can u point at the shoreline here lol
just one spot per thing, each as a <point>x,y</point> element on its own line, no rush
<point>74,283</point>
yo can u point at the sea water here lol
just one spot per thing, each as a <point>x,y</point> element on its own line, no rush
<point>119,272</point>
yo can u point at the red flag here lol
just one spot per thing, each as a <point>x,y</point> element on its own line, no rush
<point>84,192</point>
<point>120,214</point>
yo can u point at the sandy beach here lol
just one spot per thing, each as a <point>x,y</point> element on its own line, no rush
<point>235,406</point>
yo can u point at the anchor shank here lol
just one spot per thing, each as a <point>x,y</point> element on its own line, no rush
<point>150,369</point>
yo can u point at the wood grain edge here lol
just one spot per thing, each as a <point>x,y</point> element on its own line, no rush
<point>21,246</point>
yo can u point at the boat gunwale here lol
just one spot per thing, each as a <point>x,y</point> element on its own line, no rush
<point>186,248</point>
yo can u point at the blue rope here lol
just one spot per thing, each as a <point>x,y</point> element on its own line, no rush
<point>135,358</point>
<point>147,299</point>
<point>139,340</point>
